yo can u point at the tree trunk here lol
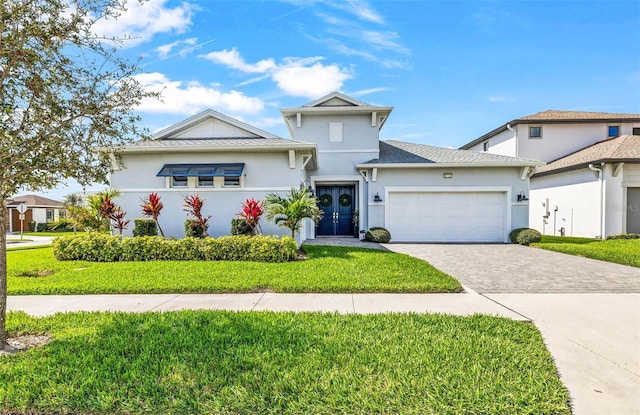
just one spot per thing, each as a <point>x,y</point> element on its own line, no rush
<point>3,275</point>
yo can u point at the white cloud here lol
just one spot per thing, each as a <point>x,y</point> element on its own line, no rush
<point>297,79</point>
<point>369,91</point>
<point>193,97</point>
<point>189,44</point>
<point>268,122</point>
<point>232,59</point>
<point>301,77</point>
<point>141,21</point>
<point>360,9</point>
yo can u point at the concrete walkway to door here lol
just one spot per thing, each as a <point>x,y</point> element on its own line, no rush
<point>588,312</point>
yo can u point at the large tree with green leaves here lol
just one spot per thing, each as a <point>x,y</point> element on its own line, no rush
<point>290,210</point>
<point>65,93</point>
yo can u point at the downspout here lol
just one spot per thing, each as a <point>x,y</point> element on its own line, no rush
<point>600,172</point>
<point>514,130</point>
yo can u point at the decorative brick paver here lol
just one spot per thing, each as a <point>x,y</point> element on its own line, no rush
<point>519,269</point>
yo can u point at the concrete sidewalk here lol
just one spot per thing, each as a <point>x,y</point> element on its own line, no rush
<point>14,241</point>
<point>467,303</point>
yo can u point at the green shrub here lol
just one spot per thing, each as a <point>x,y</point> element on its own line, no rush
<point>525,236</point>
<point>62,225</point>
<point>625,236</point>
<point>377,234</point>
<point>240,226</point>
<point>92,246</point>
<point>145,227</point>
<point>193,229</point>
<point>32,226</point>
<point>100,247</point>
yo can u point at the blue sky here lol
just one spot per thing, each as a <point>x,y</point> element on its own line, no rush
<point>452,70</point>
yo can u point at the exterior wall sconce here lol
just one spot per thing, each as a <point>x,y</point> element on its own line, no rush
<point>447,175</point>
<point>522,197</point>
<point>377,198</point>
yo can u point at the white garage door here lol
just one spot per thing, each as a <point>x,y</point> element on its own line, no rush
<point>446,216</point>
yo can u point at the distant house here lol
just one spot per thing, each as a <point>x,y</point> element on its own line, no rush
<point>591,185</point>
<point>39,210</point>
<point>418,192</point>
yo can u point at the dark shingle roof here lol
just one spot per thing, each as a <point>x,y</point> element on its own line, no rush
<point>399,152</point>
<point>623,148</point>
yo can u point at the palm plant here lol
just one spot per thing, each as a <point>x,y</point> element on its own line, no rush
<point>151,207</point>
<point>291,210</point>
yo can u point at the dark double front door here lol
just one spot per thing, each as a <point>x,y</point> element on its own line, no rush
<point>337,204</point>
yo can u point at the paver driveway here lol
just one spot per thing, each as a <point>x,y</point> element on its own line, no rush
<point>520,269</point>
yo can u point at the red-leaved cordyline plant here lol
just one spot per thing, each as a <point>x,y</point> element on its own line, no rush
<point>107,207</point>
<point>252,210</point>
<point>193,206</point>
<point>119,222</point>
<point>151,207</point>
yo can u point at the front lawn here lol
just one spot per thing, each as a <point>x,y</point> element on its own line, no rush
<point>620,251</point>
<point>328,269</point>
<point>220,362</point>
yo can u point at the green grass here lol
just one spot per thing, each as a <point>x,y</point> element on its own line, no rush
<point>328,269</point>
<point>49,233</point>
<point>619,251</point>
<point>223,362</point>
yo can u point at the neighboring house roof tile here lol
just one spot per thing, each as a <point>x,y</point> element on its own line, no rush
<point>557,117</point>
<point>619,149</point>
<point>399,152</point>
<point>561,115</point>
<point>34,201</point>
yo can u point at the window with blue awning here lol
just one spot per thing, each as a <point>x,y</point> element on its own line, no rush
<point>202,170</point>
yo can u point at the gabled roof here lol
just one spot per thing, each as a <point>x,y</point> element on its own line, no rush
<point>400,154</point>
<point>625,148</point>
<point>32,201</point>
<point>336,102</point>
<point>336,99</point>
<point>558,117</point>
<point>245,138</point>
<point>207,114</point>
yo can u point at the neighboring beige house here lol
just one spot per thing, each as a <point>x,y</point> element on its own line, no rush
<point>591,185</point>
<point>39,210</point>
<point>420,193</point>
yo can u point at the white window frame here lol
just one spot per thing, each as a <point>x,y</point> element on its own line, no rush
<point>535,137</point>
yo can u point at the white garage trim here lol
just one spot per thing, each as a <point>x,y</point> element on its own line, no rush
<point>505,190</point>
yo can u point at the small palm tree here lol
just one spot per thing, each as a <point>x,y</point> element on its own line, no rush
<point>291,210</point>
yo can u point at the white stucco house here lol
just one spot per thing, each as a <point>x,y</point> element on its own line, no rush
<point>418,192</point>
<point>591,184</point>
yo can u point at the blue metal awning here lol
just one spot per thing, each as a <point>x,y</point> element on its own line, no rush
<point>202,170</point>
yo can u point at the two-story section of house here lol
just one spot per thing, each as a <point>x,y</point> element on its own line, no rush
<point>419,192</point>
<point>591,185</point>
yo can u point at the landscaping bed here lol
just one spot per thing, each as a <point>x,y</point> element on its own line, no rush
<point>221,362</point>
<point>327,269</point>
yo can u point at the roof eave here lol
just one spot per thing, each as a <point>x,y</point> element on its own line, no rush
<point>286,112</point>
<point>584,165</point>
<point>191,148</point>
<point>448,165</point>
